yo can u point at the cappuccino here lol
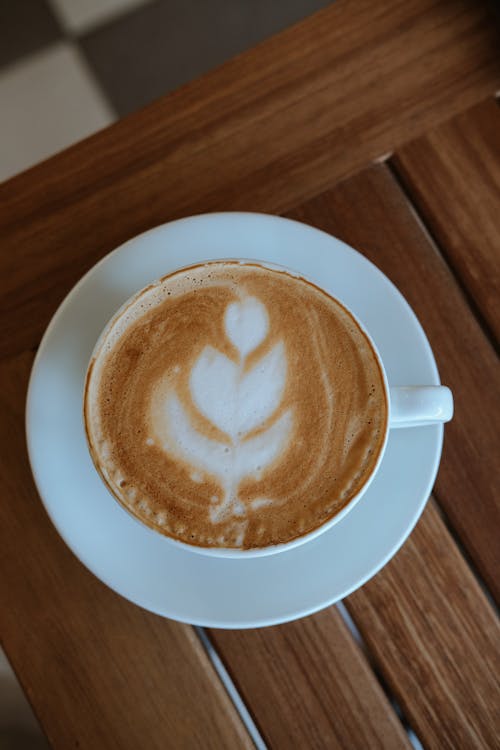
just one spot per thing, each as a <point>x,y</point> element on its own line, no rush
<point>234,405</point>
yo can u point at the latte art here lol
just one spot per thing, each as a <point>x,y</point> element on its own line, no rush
<point>231,405</point>
<point>237,401</point>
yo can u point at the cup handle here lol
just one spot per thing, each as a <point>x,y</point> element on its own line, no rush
<point>416,405</point>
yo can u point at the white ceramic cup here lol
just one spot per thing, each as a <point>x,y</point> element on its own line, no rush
<point>408,406</point>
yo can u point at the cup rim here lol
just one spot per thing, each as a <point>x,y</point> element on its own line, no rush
<point>232,552</point>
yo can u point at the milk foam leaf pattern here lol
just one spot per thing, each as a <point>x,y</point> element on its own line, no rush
<point>254,454</point>
<point>246,324</point>
<point>214,388</point>
<point>237,401</point>
<point>234,401</point>
<point>260,390</point>
<point>187,444</point>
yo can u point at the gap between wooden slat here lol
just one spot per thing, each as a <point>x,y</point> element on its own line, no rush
<point>465,554</point>
<point>408,662</point>
<point>487,332</point>
<point>353,629</point>
<point>231,689</point>
<point>243,711</point>
<point>439,248</point>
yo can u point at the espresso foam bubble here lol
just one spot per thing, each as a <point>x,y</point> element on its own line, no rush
<point>234,405</point>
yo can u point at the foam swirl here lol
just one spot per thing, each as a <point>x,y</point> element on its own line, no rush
<point>234,405</point>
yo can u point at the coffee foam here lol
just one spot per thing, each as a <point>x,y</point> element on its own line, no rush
<point>233,405</point>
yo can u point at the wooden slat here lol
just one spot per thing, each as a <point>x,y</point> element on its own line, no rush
<point>273,127</point>
<point>101,673</point>
<point>370,212</point>
<point>431,630</point>
<point>453,175</point>
<point>308,685</point>
<point>436,640</point>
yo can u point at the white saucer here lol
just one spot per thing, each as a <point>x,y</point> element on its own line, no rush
<point>143,566</point>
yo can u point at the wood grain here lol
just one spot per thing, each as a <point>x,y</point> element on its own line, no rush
<point>308,685</point>
<point>430,628</point>
<point>435,639</point>
<point>453,176</point>
<point>277,125</point>
<point>100,672</point>
<point>269,129</point>
<point>370,212</point>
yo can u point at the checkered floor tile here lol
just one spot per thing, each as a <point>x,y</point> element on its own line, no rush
<point>70,67</point>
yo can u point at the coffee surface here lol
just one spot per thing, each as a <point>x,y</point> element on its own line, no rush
<point>231,405</point>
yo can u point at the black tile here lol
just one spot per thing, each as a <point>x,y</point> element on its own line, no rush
<point>156,48</point>
<point>25,26</point>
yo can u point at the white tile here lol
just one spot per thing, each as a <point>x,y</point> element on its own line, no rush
<point>48,101</point>
<point>78,16</point>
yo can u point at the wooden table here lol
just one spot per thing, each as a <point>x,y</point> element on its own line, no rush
<point>377,122</point>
